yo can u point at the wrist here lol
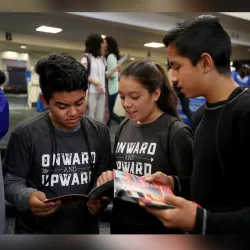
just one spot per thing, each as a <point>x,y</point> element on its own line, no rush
<point>171,182</point>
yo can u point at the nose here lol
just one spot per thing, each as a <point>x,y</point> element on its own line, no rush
<point>72,111</point>
<point>174,79</point>
<point>126,103</point>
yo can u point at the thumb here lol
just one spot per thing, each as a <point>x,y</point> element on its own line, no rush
<point>173,200</point>
<point>153,177</point>
<point>40,196</point>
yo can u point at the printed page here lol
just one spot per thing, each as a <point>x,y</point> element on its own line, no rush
<point>123,59</point>
<point>133,188</point>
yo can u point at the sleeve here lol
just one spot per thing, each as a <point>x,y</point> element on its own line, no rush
<point>182,160</point>
<point>84,60</point>
<point>16,167</point>
<point>111,63</point>
<point>237,222</point>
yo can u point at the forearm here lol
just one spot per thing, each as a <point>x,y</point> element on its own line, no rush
<point>16,191</point>
<point>110,73</point>
<point>94,82</point>
<point>237,222</point>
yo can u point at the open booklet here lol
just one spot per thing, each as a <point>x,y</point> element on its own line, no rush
<point>104,190</point>
<point>127,187</point>
<point>132,188</point>
<point>123,59</point>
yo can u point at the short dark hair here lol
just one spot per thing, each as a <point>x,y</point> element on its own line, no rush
<point>93,44</point>
<point>112,46</point>
<point>203,34</point>
<point>152,76</point>
<point>60,73</point>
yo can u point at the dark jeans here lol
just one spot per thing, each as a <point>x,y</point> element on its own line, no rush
<point>112,115</point>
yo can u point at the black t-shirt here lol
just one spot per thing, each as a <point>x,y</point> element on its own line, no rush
<point>223,188</point>
<point>30,153</point>
<point>142,149</point>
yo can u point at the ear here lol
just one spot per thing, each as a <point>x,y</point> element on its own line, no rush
<point>156,94</point>
<point>206,62</point>
<point>45,104</point>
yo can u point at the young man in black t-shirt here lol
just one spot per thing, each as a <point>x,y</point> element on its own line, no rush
<point>199,51</point>
<point>58,152</point>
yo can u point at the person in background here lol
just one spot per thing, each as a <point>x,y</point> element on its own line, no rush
<point>112,54</point>
<point>57,152</point>
<point>183,99</point>
<point>152,139</point>
<point>199,51</point>
<point>95,63</point>
<point>241,75</point>
<point>4,125</point>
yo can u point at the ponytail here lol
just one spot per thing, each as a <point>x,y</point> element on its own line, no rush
<point>168,99</point>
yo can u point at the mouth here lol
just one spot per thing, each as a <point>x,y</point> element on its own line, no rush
<point>131,113</point>
<point>73,120</point>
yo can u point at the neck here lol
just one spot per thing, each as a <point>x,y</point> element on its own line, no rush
<point>220,89</point>
<point>59,126</point>
<point>151,118</point>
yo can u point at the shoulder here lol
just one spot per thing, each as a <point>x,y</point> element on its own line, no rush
<point>30,124</point>
<point>198,115</point>
<point>173,126</point>
<point>111,57</point>
<point>95,127</point>
<point>179,129</point>
<point>122,125</point>
<point>240,105</point>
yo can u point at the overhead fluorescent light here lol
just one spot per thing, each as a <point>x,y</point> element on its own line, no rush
<point>103,36</point>
<point>23,47</point>
<point>154,45</point>
<point>48,29</point>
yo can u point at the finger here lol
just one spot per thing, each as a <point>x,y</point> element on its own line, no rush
<point>154,177</point>
<point>146,175</point>
<point>47,213</point>
<point>40,210</point>
<point>174,200</point>
<point>99,181</point>
<point>105,198</point>
<point>104,177</point>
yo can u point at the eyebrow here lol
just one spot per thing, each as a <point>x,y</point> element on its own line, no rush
<point>63,103</point>
<point>132,92</point>
<point>173,62</point>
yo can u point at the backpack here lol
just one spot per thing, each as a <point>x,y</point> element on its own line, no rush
<point>174,126</point>
<point>4,114</point>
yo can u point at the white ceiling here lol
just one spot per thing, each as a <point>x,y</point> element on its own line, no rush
<point>131,38</point>
<point>242,15</point>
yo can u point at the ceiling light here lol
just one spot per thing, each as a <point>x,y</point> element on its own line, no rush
<point>103,36</point>
<point>132,58</point>
<point>48,29</point>
<point>23,47</point>
<point>154,45</point>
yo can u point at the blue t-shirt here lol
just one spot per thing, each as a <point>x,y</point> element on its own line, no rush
<point>245,81</point>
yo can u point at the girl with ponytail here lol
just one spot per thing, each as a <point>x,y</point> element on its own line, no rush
<point>152,139</point>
